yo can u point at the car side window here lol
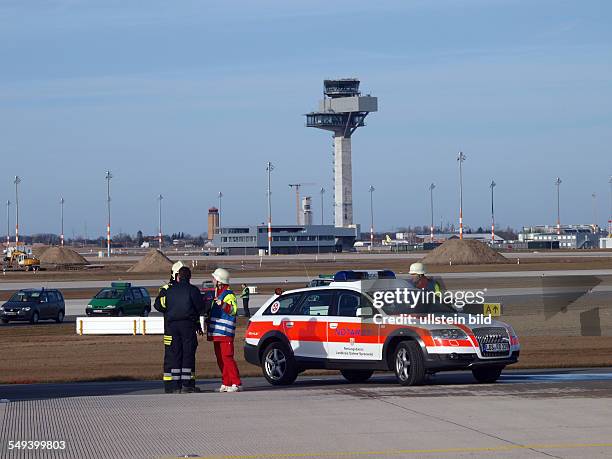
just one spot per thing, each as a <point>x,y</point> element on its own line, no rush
<point>144,292</point>
<point>60,297</point>
<point>127,296</point>
<point>44,297</point>
<point>137,294</point>
<point>348,303</point>
<point>317,303</point>
<point>53,297</point>
<point>284,304</point>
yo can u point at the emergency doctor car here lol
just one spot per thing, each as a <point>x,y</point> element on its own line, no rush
<point>338,327</point>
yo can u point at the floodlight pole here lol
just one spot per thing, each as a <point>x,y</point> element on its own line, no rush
<point>493,184</point>
<point>269,168</point>
<point>372,189</point>
<point>558,184</point>
<point>17,181</point>
<point>160,198</point>
<point>431,228</point>
<point>109,176</point>
<point>460,159</point>
<point>62,201</point>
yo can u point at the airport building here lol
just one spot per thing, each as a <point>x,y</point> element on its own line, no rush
<point>570,237</point>
<point>286,239</point>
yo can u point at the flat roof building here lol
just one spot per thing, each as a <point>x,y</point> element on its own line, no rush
<point>571,237</point>
<point>286,239</point>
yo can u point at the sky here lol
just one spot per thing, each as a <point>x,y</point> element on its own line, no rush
<point>189,98</point>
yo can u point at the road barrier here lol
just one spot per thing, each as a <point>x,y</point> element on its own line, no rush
<point>121,325</point>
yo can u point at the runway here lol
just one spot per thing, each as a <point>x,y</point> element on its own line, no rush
<point>547,413</point>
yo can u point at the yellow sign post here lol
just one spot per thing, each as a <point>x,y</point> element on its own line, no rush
<point>492,309</point>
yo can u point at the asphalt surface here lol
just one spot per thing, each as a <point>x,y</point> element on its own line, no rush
<point>534,414</point>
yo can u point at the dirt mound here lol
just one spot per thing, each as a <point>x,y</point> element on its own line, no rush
<point>39,249</point>
<point>61,256</point>
<point>152,262</point>
<point>463,252</point>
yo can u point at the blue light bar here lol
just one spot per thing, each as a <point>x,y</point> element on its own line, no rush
<point>349,276</point>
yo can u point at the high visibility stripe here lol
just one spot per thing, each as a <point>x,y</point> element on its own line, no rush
<point>186,377</point>
<point>186,370</point>
<point>168,378</point>
<point>223,321</point>
<point>175,370</point>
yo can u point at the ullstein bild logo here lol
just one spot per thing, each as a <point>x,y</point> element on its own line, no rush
<point>412,298</point>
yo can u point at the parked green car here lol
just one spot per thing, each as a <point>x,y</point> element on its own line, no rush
<point>120,299</point>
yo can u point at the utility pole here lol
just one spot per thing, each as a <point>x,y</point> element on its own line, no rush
<point>493,184</point>
<point>322,191</point>
<point>594,196</point>
<point>610,217</point>
<point>372,189</point>
<point>8,223</point>
<point>159,234</point>
<point>431,228</point>
<point>109,176</point>
<point>558,184</point>
<point>460,159</point>
<point>17,181</point>
<point>62,201</point>
<point>220,196</point>
<point>269,168</point>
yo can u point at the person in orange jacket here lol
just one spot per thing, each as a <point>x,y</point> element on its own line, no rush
<point>222,329</point>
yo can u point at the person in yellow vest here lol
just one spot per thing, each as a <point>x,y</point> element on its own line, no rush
<point>222,329</point>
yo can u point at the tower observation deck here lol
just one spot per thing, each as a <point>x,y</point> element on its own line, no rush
<point>342,110</point>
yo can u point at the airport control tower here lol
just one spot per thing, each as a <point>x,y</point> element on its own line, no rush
<point>342,110</point>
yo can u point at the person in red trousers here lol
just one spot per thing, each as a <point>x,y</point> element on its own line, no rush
<point>222,328</point>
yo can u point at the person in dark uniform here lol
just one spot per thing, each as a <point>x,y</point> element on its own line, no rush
<point>183,307</point>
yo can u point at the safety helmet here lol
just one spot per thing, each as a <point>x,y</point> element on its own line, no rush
<point>176,266</point>
<point>417,268</point>
<point>222,276</point>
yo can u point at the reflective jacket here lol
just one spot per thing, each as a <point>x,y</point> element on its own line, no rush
<point>222,320</point>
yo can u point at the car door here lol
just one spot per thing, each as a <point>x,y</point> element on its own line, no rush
<point>274,318</point>
<point>52,304</point>
<point>128,301</point>
<point>351,337</point>
<point>307,327</point>
<point>138,303</point>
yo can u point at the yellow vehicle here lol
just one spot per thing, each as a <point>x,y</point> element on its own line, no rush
<point>20,258</point>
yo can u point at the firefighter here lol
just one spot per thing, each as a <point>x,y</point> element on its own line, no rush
<point>160,305</point>
<point>182,305</point>
<point>221,330</point>
<point>245,300</point>
<point>421,281</point>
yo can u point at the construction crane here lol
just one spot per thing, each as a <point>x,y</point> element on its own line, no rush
<point>297,187</point>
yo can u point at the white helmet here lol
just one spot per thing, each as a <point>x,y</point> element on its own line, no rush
<point>222,276</point>
<point>417,268</point>
<point>176,266</point>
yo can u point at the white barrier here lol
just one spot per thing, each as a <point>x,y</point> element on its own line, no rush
<point>122,325</point>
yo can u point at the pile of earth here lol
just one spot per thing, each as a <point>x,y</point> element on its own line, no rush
<point>61,256</point>
<point>39,249</point>
<point>463,252</point>
<point>153,262</point>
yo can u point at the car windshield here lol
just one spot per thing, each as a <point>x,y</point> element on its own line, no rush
<point>398,296</point>
<point>24,297</point>
<point>421,306</point>
<point>109,294</point>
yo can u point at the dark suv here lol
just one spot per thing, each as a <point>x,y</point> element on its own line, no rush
<point>33,305</point>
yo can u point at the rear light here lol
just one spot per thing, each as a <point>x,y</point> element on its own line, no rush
<point>278,291</point>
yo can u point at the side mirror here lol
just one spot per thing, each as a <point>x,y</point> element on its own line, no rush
<point>365,312</point>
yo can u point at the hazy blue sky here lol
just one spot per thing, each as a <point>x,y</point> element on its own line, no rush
<point>187,98</point>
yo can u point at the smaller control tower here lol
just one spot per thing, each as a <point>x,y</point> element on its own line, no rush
<point>342,110</point>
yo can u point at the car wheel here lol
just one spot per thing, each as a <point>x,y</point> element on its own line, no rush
<point>408,364</point>
<point>5,321</point>
<point>278,365</point>
<point>35,317</point>
<point>60,317</point>
<point>487,375</point>
<point>146,312</point>
<point>356,376</point>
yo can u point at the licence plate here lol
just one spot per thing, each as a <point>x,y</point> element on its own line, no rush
<point>98,311</point>
<point>10,313</point>
<point>496,347</point>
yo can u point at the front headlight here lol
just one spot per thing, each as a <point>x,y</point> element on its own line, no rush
<point>1,308</point>
<point>26,309</point>
<point>111,306</point>
<point>448,333</point>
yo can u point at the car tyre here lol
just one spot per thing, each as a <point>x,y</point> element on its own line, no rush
<point>120,313</point>
<point>357,376</point>
<point>408,364</point>
<point>146,312</point>
<point>278,364</point>
<point>487,375</point>
<point>60,317</point>
<point>35,317</point>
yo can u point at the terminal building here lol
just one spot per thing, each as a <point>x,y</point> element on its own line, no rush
<point>570,237</point>
<point>286,239</point>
